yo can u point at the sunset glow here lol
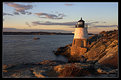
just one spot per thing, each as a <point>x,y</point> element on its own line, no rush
<point>59,16</point>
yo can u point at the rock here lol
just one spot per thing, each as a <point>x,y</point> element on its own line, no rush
<point>65,51</point>
<point>22,73</point>
<point>51,62</point>
<point>74,69</point>
<point>102,53</point>
<point>101,71</point>
<point>98,47</point>
<point>36,38</point>
<point>38,75</point>
<point>4,66</point>
<point>111,57</point>
<point>96,52</point>
<point>4,70</point>
<point>58,68</point>
<point>51,73</point>
<point>104,49</point>
<point>111,71</point>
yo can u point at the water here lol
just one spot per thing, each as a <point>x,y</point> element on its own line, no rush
<point>24,49</point>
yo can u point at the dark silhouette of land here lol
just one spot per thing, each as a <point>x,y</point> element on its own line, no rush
<point>38,33</point>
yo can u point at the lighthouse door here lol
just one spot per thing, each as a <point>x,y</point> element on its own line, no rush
<point>82,43</point>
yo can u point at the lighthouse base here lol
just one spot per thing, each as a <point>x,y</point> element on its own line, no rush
<point>78,51</point>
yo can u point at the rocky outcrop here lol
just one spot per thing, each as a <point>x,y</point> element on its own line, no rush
<point>102,48</point>
<point>65,51</point>
<point>31,70</point>
<point>111,57</point>
<point>74,70</point>
<point>52,68</point>
<point>85,70</point>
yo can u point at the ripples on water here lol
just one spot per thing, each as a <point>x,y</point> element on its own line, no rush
<point>24,49</point>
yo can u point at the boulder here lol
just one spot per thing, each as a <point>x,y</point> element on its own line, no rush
<point>36,38</point>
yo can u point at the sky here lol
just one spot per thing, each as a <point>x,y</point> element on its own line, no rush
<point>59,16</point>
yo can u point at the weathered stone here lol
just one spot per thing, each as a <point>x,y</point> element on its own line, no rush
<point>111,57</point>
<point>101,71</point>
<point>38,75</point>
<point>58,68</point>
<point>112,71</point>
<point>95,52</point>
<point>75,70</point>
<point>104,49</point>
<point>4,66</point>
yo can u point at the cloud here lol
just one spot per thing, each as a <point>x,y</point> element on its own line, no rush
<point>91,23</point>
<point>50,16</point>
<point>35,23</point>
<point>16,13</point>
<point>27,24</point>
<point>64,23</point>
<point>68,4</point>
<point>104,22</point>
<point>105,26</point>
<point>20,8</point>
<point>4,14</point>
<point>33,30</point>
<point>7,2</point>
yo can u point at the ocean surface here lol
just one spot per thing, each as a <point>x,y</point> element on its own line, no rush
<point>17,49</point>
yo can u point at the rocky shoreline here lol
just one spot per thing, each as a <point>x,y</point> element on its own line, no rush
<point>102,48</point>
<point>58,69</point>
<point>100,61</point>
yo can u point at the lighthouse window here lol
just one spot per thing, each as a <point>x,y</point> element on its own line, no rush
<point>80,23</point>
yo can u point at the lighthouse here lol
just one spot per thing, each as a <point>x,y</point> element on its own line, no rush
<point>79,44</point>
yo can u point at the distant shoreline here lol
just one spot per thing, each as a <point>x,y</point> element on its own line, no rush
<point>38,33</point>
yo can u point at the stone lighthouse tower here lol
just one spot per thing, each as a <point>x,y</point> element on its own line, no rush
<point>79,44</point>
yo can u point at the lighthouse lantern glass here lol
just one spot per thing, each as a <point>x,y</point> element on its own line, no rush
<point>80,23</point>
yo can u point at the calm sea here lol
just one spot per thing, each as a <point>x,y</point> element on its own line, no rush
<point>24,49</point>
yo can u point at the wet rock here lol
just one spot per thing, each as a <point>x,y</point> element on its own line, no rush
<point>4,66</point>
<point>22,74</point>
<point>65,51</point>
<point>51,62</point>
<point>31,70</point>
